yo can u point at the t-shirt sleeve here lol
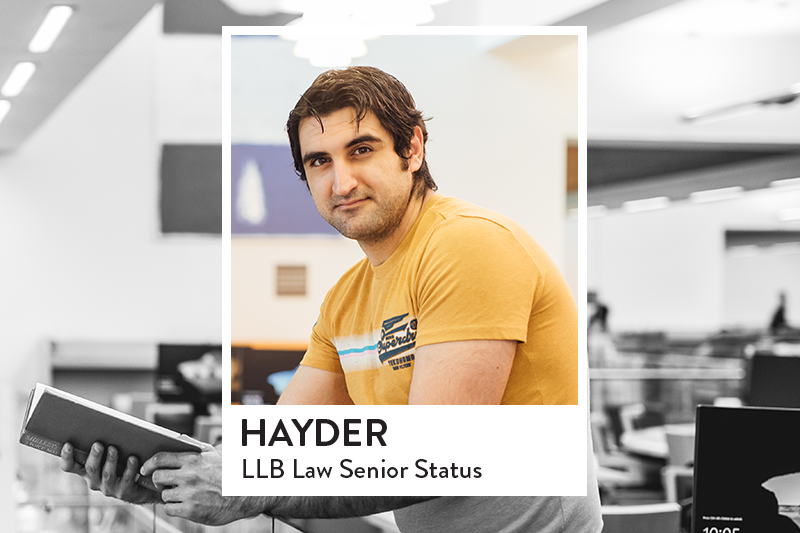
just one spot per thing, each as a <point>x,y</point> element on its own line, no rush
<point>476,281</point>
<point>321,352</point>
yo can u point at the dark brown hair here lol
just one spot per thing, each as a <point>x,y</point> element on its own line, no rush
<point>364,89</point>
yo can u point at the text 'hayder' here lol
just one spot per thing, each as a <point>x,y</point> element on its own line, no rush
<point>325,432</point>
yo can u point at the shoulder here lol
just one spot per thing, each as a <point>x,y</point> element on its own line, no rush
<point>456,216</point>
<point>462,226</point>
<point>449,208</point>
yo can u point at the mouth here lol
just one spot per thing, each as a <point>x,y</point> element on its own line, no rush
<point>350,203</point>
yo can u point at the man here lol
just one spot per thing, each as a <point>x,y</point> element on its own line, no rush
<point>453,304</point>
<point>778,322</point>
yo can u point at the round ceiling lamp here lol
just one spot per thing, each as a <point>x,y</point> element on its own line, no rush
<point>338,51</point>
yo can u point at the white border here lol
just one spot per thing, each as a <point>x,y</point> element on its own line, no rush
<point>521,450</point>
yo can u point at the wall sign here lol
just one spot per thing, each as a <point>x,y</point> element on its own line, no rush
<point>267,197</point>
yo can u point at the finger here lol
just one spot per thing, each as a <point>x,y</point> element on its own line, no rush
<point>67,461</point>
<point>174,509</point>
<point>129,475</point>
<point>170,496</point>
<point>109,472</point>
<point>162,460</point>
<point>93,466</point>
<point>165,478</point>
<point>204,445</point>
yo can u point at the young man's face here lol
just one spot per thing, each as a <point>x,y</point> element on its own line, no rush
<point>357,180</point>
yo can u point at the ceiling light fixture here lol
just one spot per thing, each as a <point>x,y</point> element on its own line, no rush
<point>788,215</point>
<point>791,183</point>
<point>363,12</point>
<point>329,51</point>
<point>5,105</point>
<point>736,108</point>
<point>647,204</point>
<point>715,195</point>
<point>359,15</point>
<point>18,78</point>
<point>259,8</point>
<point>51,27</point>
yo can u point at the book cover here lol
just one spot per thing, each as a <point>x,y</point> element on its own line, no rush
<point>54,417</point>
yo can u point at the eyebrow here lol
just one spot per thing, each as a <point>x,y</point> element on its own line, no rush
<point>312,156</point>
<point>358,140</point>
<point>366,138</point>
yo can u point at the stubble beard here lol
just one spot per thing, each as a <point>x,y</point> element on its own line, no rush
<point>378,224</point>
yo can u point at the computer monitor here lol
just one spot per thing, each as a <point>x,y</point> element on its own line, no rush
<point>259,375</point>
<point>773,381</point>
<point>747,470</point>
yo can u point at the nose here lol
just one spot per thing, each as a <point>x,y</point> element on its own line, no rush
<point>344,181</point>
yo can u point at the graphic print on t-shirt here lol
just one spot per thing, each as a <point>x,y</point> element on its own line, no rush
<point>392,345</point>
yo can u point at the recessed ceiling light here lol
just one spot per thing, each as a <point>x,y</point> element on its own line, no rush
<point>790,214</point>
<point>329,51</point>
<point>19,76</point>
<point>792,183</point>
<point>715,195</point>
<point>647,204</point>
<point>52,25</point>
<point>5,105</point>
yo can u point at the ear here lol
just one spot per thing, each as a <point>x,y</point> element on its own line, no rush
<point>417,150</point>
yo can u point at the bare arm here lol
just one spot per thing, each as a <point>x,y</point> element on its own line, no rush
<point>193,490</point>
<point>336,506</point>
<point>463,372</point>
<point>312,386</point>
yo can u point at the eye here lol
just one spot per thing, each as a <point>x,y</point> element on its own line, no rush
<point>319,161</point>
<point>361,150</point>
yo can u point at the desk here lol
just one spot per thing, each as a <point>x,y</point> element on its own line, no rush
<point>673,443</point>
<point>653,441</point>
<point>676,383</point>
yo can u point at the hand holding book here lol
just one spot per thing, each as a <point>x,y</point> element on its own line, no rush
<point>103,476</point>
<point>106,448</point>
<point>55,418</point>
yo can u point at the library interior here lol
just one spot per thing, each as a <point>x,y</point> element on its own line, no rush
<point>681,248</point>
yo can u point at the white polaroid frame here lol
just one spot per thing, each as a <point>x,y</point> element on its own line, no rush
<point>506,450</point>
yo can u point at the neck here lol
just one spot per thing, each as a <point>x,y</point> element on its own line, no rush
<point>378,252</point>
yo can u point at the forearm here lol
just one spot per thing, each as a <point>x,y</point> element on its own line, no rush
<point>224,510</point>
<point>335,506</point>
<point>193,490</point>
<point>313,386</point>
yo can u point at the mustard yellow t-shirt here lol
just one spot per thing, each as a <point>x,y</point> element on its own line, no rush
<point>462,273</point>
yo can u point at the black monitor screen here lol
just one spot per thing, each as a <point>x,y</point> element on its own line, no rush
<point>190,373</point>
<point>258,376</point>
<point>774,381</point>
<point>747,470</point>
